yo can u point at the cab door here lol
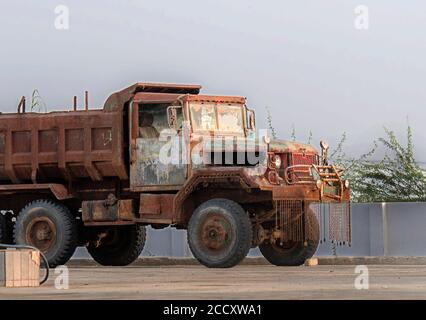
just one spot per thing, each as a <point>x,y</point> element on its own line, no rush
<point>156,151</point>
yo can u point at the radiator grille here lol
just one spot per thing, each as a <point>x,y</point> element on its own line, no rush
<point>302,159</point>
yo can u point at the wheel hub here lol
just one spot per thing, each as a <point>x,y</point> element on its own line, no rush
<point>215,233</point>
<point>41,233</point>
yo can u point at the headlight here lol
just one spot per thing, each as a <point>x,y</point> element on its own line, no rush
<point>346,184</point>
<point>277,161</point>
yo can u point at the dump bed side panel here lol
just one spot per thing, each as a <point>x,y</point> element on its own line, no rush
<point>61,146</point>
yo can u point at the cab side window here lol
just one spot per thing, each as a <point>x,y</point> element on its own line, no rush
<point>152,119</point>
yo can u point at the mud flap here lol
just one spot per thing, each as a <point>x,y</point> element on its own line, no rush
<point>300,221</point>
<point>335,222</point>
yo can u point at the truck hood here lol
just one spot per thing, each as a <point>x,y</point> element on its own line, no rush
<point>282,146</point>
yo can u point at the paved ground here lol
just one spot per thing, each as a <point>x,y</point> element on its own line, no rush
<point>242,282</point>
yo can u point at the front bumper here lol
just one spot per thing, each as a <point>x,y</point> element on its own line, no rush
<point>310,193</point>
<point>322,183</point>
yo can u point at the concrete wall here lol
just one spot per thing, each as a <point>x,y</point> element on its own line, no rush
<point>393,229</point>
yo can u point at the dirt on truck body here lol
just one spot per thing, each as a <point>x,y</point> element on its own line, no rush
<point>161,155</point>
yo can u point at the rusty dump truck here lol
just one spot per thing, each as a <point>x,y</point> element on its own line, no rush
<point>164,155</point>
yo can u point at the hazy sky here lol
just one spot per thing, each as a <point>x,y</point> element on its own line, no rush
<point>303,59</point>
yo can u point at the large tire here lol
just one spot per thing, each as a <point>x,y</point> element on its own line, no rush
<point>120,247</point>
<point>294,253</point>
<point>219,233</point>
<point>50,227</point>
<point>3,230</point>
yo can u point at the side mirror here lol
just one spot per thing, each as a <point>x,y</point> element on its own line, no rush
<point>172,116</point>
<point>251,119</point>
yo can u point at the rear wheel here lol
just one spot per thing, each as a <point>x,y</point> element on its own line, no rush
<point>219,233</point>
<point>50,227</point>
<point>118,246</point>
<point>293,253</point>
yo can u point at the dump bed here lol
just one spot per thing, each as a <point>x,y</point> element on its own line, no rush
<point>71,145</point>
<point>61,146</point>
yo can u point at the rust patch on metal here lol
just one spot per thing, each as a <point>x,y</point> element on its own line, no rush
<point>156,206</point>
<point>295,193</point>
<point>58,190</point>
<point>109,210</point>
<point>39,148</point>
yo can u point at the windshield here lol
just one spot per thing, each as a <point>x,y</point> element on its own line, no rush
<point>221,117</point>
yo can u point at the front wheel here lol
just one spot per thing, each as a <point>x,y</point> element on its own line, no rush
<point>293,253</point>
<point>117,246</point>
<point>219,233</point>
